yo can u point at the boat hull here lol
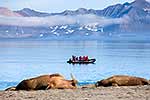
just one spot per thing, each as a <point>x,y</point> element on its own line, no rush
<point>92,61</point>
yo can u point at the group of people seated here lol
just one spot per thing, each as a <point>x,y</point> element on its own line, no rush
<point>80,58</point>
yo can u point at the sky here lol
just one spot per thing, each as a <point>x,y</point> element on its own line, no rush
<point>53,6</point>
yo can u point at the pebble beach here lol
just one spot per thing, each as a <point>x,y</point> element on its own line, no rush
<point>88,92</point>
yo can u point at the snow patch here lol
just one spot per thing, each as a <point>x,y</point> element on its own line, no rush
<point>146,9</point>
<point>41,35</point>
<point>70,31</point>
<point>55,33</point>
<point>63,27</point>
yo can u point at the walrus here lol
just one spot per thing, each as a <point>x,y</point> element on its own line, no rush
<point>37,83</point>
<point>122,80</point>
<point>63,83</point>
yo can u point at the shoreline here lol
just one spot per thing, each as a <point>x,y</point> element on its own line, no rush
<point>87,92</point>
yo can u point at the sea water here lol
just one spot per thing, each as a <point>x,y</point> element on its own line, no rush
<point>26,59</point>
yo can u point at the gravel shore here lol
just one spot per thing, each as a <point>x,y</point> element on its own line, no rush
<point>82,93</point>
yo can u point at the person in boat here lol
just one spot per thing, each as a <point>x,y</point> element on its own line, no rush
<point>77,59</point>
<point>73,58</point>
<point>86,58</point>
<point>80,58</point>
<point>70,60</point>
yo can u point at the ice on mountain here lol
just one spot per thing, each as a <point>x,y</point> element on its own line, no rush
<point>55,33</point>
<point>51,27</point>
<point>87,34</point>
<point>41,35</point>
<point>80,28</point>
<point>63,27</point>
<point>67,32</point>
<point>70,31</point>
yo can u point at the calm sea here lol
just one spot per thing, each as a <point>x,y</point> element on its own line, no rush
<point>25,59</point>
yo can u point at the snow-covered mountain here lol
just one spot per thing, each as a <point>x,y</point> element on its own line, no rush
<point>120,18</point>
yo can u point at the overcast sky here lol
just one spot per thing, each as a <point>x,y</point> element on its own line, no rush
<point>58,5</point>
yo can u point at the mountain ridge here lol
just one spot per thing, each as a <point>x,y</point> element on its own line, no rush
<point>114,11</point>
<point>7,12</point>
<point>131,17</point>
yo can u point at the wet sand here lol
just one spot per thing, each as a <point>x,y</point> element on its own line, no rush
<point>82,93</point>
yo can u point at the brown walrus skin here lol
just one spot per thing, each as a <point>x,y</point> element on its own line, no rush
<point>62,83</point>
<point>37,83</point>
<point>122,80</point>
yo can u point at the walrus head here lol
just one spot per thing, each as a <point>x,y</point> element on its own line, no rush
<point>10,89</point>
<point>99,83</point>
